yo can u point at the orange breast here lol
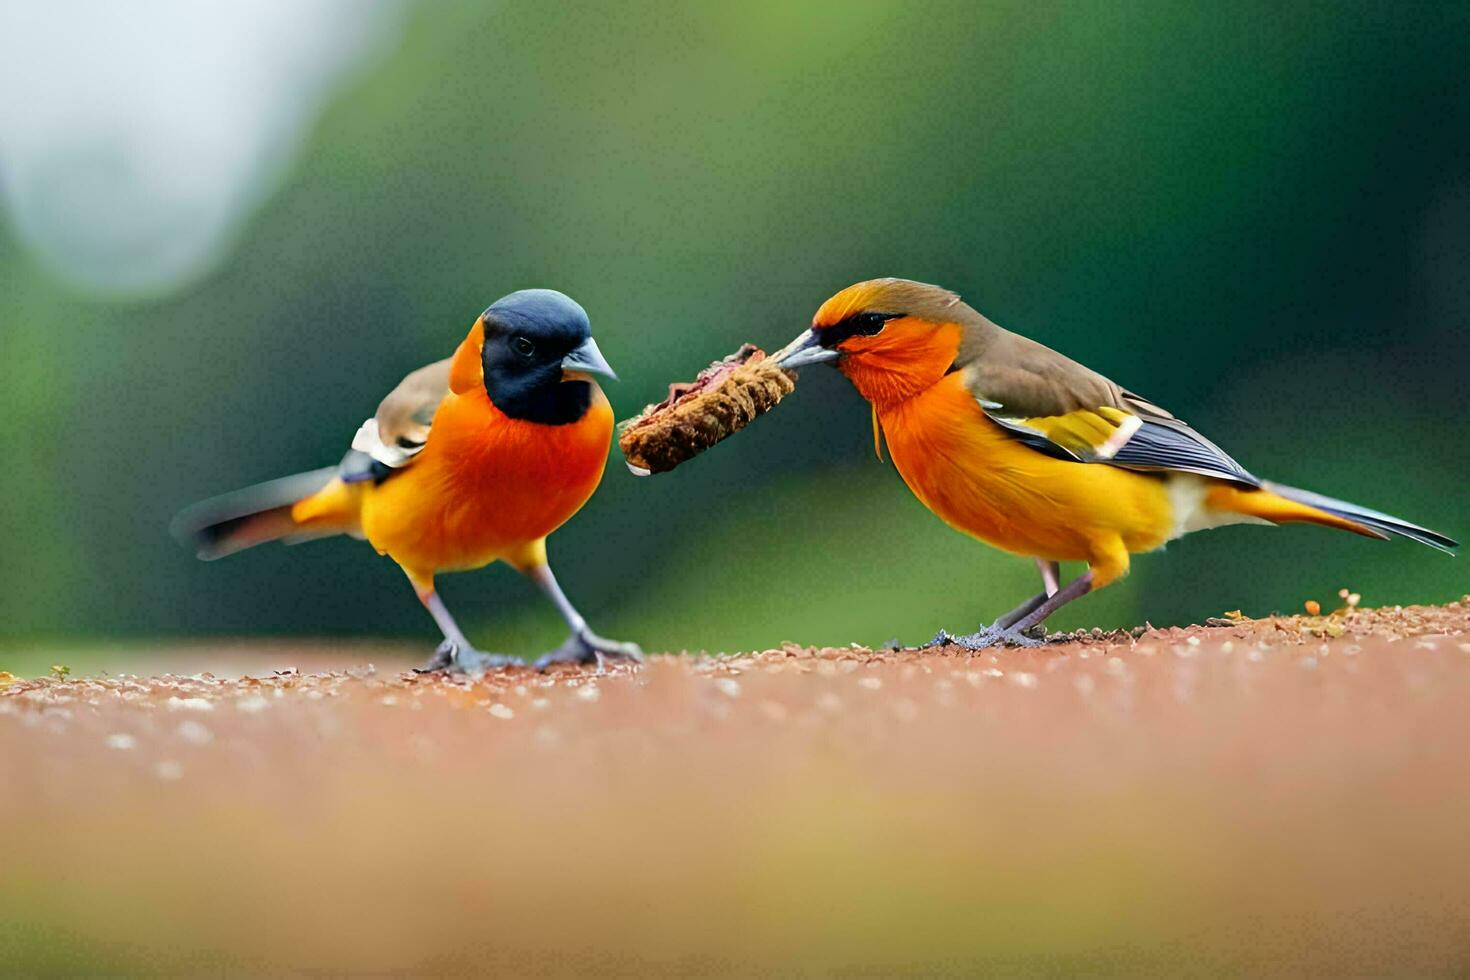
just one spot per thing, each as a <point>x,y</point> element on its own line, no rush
<point>980,480</point>
<point>486,486</point>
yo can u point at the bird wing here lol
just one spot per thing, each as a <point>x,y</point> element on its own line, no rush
<point>399,429</point>
<point>1059,407</point>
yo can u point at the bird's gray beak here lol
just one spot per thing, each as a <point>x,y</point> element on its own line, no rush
<point>804,350</point>
<point>588,358</point>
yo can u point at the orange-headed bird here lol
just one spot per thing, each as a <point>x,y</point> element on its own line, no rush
<point>470,460</point>
<point>1027,450</point>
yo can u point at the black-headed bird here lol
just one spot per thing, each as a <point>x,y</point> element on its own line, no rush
<point>1015,444</point>
<point>470,460</point>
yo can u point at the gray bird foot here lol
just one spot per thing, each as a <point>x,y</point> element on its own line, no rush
<point>589,648</point>
<point>455,658</point>
<point>991,636</point>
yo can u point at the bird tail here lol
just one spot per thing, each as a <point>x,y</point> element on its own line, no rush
<point>1288,505</point>
<point>294,508</point>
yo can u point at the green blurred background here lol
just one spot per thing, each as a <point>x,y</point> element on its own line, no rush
<point>1257,215</point>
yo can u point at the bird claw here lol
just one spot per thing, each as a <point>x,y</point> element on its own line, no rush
<point>988,637</point>
<point>940,639</point>
<point>1014,638</point>
<point>589,648</point>
<point>452,658</point>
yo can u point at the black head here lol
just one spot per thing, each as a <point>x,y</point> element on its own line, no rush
<point>531,337</point>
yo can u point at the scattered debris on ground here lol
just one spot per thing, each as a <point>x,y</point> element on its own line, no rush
<point>1286,793</point>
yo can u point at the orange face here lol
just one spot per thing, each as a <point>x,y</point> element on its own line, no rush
<point>888,352</point>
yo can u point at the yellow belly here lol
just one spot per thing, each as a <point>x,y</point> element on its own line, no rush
<point>982,481</point>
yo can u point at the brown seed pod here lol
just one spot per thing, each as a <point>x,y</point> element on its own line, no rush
<point>723,399</point>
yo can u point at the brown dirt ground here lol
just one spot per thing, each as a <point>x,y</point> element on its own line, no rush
<point>1274,795</point>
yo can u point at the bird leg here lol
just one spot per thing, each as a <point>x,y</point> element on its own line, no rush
<point>455,655</point>
<point>984,636</point>
<point>1051,575</point>
<point>1075,589</point>
<point>1010,629</point>
<point>582,646</point>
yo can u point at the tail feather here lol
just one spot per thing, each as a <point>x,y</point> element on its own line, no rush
<point>235,521</point>
<point>1383,524</point>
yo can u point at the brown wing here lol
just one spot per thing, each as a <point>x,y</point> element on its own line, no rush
<point>1033,381</point>
<point>1062,408</point>
<point>405,415</point>
<point>400,427</point>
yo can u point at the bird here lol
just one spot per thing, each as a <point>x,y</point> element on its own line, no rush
<point>1021,447</point>
<point>472,459</point>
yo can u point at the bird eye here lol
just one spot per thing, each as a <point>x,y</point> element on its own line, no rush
<point>869,324</point>
<point>522,346</point>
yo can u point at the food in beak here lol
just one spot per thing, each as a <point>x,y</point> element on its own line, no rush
<point>721,400</point>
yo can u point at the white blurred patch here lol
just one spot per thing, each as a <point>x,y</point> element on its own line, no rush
<point>136,138</point>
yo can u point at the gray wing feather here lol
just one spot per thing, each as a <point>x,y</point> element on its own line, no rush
<point>1160,446</point>
<point>1164,442</point>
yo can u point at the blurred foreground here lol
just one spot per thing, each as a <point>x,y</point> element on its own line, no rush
<point>1285,795</point>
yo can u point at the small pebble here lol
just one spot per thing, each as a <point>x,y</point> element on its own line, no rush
<point>194,733</point>
<point>190,704</point>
